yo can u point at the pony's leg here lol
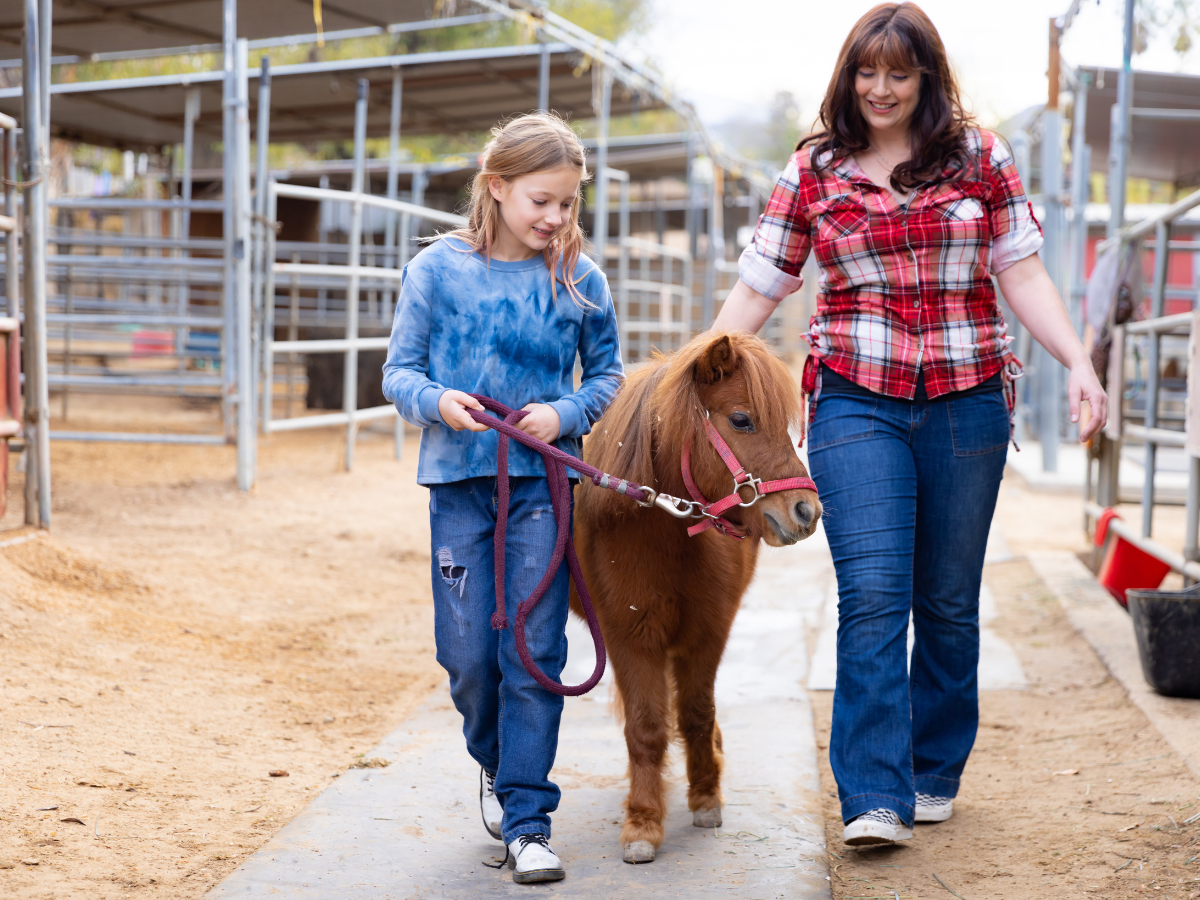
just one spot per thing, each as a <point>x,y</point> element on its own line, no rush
<point>695,676</point>
<point>642,681</point>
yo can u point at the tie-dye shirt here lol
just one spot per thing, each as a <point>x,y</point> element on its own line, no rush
<point>492,327</point>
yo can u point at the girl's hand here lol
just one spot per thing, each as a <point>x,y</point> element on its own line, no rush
<point>1082,384</point>
<point>453,406</point>
<point>542,422</point>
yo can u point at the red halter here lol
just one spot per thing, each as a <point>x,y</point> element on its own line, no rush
<point>741,479</point>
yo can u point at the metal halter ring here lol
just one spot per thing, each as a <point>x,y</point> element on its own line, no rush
<point>751,482</point>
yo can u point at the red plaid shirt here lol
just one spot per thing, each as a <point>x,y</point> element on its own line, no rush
<point>903,287</point>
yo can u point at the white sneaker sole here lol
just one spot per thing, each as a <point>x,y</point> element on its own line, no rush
<point>934,813</point>
<point>862,833</point>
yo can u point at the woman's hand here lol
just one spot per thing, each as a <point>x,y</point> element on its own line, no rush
<point>542,422</point>
<point>1082,384</point>
<point>453,406</point>
<point>1034,300</point>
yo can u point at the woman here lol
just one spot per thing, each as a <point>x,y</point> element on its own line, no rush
<point>910,210</point>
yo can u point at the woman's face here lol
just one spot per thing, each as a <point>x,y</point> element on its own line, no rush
<point>887,97</point>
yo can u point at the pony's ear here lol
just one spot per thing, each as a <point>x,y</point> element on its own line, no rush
<point>716,361</point>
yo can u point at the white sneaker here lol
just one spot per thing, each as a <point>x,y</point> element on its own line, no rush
<point>934,809</point>
<point>877,826</point>
<point>489,804</point>
<point>531,860</point>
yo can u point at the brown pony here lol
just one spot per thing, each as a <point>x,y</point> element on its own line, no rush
<point>666,601</point>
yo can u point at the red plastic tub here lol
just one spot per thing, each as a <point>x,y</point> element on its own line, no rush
<point>1125,567</point>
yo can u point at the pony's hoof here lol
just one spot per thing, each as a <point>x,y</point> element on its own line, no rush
<point>639,852</point>
<point>707,818</point>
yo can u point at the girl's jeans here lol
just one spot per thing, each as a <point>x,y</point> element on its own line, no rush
<point>511,724</point>
<point>909,489</point>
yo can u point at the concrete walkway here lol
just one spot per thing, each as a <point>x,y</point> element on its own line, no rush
<point>413,829</point>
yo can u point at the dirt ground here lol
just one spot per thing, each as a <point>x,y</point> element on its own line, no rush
<point>174,642</point>
<point>1069,791</point>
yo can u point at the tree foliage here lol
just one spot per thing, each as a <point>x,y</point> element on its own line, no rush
<point>1176,20</point>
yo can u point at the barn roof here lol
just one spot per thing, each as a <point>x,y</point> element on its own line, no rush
<point>446,91</point>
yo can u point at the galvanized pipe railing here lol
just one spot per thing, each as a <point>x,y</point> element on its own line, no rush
<point>1149,431</point>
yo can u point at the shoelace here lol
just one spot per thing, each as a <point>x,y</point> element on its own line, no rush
<point>538,838</point>
<point>885,816</point>
<point>931,800</point>
<point>524,840</point>
<point>489,782</point>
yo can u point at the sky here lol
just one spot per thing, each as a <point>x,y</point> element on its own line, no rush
<point>725,57</point>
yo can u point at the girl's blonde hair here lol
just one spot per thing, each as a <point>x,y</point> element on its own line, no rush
<point>530,143</point>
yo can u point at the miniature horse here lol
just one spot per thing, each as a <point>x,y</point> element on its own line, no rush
<point>666,601</point>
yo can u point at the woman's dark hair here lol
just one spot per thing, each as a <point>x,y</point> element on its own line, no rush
<point>898,36</point>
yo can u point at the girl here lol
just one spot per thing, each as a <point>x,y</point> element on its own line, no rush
<point>910,210</point>
<point>502,307</point>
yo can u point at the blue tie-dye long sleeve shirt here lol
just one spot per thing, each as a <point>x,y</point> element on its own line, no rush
<point>491,327</point>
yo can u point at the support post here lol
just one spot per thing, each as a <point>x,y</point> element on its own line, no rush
<point>391,235</point>
<point>1121,136</point>
<point>600,222</point>
<point>228,225</point>
<point>37,396</point>
<point>268,409</point>
<point>544,76</point>
<point>247,442</point>
<point>390,255</point>
<point>12,259</point>
<point>191,112</point>
<point>350,381</point>
<point>1081,159</point>
<point>1162,254</point>
<point>716,243</point>
<point>264,303</point>
<point>689,213</point>
<point>1049,402</point>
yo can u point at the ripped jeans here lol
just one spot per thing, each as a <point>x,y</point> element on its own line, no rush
<point>510,723</point>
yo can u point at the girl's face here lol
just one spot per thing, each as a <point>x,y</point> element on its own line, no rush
<point>532,208</point>
<point>887,97</point>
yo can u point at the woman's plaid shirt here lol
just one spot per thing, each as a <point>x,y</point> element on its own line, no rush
<point>902,287</point>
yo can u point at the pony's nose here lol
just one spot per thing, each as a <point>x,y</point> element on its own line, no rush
<point>804,513</point>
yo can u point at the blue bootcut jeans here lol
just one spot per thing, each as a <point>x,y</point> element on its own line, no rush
<point>909,489</point>
<point>510,722</point>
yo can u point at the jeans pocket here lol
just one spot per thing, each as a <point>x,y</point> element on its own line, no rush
<point>979,424</point>
<point>842,418</point>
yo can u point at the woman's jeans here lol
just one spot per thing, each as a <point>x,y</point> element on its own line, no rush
<point>510,723</point>
<point>909,489</point>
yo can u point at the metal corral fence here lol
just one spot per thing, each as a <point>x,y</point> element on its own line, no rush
<point>133,310</point>
<point>1157,411</point>
<point>385,281</point>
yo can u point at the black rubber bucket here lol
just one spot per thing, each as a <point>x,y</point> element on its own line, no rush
<point>1167,626</point>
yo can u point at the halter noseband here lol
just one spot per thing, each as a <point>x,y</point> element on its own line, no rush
<point>712,512</point>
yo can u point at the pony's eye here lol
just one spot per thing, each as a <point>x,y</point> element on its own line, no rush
<point>741,422</point>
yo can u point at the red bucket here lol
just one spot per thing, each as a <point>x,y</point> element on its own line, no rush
<point>1125,566</point>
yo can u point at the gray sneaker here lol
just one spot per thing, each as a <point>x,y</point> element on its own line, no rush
<point>876,826</point>
<point>934,809</point>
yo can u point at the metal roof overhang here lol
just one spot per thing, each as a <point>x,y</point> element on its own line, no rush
<point>450,91</point>
<point>84,27</point>
<point>1163,149</point>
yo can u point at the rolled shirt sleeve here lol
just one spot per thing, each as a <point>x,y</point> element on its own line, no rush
<point>1016,233</point>
<point>772,261</point>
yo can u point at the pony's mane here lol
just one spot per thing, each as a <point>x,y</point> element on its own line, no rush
<point>659,410</point>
